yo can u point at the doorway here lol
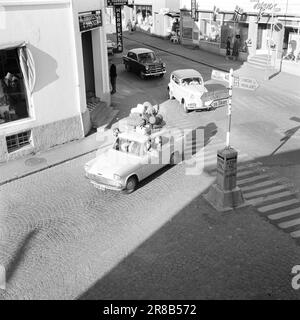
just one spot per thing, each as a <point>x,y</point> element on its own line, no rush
<point>88,64</point>
<point>262,38</point>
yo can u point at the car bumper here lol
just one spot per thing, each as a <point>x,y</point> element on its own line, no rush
<point>111,185</point>
<point>154,73</point>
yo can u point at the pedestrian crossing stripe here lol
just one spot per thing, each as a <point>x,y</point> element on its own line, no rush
<point>284,214</point>
<point>278,205</point>
<point>260,185</point>
<point>264,191</point>
<point>289,224</point>
<point>295,234</point>
<point>270,197</point>
<point>252,179</point>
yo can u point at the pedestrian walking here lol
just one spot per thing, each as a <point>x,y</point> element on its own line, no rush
<point>236,47</point>
<point>113,77</point>
<point>228,48</point>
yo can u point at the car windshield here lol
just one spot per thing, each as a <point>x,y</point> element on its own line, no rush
<point>132,147</point>
<point>192,81</point>
<point>146,57</point>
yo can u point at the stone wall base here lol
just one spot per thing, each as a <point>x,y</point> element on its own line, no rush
<point>45,137</point>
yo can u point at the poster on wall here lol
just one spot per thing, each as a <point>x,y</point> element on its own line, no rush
<point>89,20</point>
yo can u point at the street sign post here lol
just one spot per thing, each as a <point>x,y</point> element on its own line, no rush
<point>238,82</point>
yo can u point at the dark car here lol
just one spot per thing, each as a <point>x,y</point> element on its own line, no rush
<point>144,62</point>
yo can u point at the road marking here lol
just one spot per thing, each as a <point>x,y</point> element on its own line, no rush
<point>269,198</point>
<point>289,224</point>
<point>253,179</point>
<point>295,234</point>
<point>278,205</point>
<point>288,213</point>
<point>264,191</point>
<point>246,173</point>
<point>260,185</point>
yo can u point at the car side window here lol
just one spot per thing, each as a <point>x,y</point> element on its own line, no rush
<point>175,79</point>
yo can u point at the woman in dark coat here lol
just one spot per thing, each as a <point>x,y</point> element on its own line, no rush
<point>228,47</point>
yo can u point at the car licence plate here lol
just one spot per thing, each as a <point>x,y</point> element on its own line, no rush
<point>220,103</point>
<point>99,187</point>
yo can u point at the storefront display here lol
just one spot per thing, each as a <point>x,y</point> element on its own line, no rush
<point>13,102</point>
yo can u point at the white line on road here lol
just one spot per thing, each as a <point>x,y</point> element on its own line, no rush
<point>260,185</point>
<point>284,214</point>
<point>269,198</point>
<point>253,179</point>
<point>295,234</point>
<point>264,191</point>
<point>278,205</point>
<point>289,224</point>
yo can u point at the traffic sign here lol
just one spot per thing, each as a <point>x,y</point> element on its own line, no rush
<point>238,82</point>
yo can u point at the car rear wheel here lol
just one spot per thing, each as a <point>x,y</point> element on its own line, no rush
<point>131,185</point>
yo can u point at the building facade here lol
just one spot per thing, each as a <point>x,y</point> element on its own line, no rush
<point>52,56</point>
<point>269,27</point>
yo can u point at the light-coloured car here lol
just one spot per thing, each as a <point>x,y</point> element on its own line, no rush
<point>188,88</point>
<point>133,157</point>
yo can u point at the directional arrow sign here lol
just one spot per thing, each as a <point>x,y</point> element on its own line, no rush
<point>238,82</point>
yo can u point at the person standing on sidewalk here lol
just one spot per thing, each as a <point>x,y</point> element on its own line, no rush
<point>236,47</point>
<point>228,48</point>
<point>113,77</point>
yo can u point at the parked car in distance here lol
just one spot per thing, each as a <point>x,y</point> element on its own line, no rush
<point>188,88</point>
<point>144,62</point>
<point>135,157</point>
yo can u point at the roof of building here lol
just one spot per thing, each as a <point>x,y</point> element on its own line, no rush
<point>186,73</point>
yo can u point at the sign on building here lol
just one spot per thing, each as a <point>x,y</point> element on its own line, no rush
<point>89,20</point>
<point>119,32</point>
<point>193,9</point>
<point>112,3</point>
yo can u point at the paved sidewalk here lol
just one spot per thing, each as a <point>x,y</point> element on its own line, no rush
<point>31,164</point>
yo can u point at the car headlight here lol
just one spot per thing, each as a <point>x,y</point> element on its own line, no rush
<point>147,68</point>
<point>192,97</point>
<point>117,177</point>
<point>164,65</point>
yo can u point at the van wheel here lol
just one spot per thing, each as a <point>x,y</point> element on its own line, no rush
<point>131,185</point>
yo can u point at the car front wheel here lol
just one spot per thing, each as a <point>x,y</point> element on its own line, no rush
<point>142,75</point>
<point>131,185</point>
<point>171,97</point>
<point>185,109</point>
<point>127,67</point>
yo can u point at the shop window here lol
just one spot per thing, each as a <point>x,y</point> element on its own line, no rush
<point>13,98</point>
<point>231,29</point>
<point>17,141</point>
<point>210,27</point>
<point>144,17</point>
